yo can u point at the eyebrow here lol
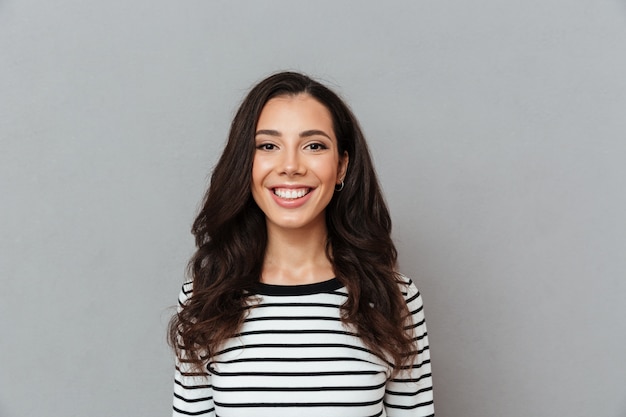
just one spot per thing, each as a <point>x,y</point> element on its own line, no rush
<point>305,134</point>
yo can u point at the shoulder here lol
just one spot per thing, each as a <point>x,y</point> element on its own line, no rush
<point>409,291</point>
<point>185,293</point>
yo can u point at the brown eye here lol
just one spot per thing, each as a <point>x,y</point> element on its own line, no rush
<point>316,146</point>
<point>266,147</point>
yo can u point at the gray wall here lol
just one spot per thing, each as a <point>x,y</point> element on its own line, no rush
<point>498,129</point>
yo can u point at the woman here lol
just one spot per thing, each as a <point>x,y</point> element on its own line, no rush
<point>295,307</point>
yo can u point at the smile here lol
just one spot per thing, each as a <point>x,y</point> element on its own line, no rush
<point>291,193</point>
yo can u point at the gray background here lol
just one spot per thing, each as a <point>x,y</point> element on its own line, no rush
<point>498,130</point>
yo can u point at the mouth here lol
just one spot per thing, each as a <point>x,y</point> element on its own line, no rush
<point>291,193</point>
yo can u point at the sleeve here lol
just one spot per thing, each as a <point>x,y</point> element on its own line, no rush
<point>193,392</point>
<point>410,392</point>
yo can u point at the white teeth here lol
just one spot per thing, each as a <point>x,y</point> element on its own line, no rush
<point>290,194</point>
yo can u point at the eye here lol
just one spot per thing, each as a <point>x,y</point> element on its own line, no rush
<point>316,146</point>
<point>266,147</point>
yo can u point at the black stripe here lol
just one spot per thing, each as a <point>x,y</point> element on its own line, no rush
<point>424,376</point>
<point>325,305</point>
<point>298,360</point>
<point>194,400</point>
<point>417,310</point>
<point>420,337</point>
<point>413,298</point>
<point>409,394</point>
<point>193,374</point>
<point>308,405</point>
<point>301,389</point>
<point>332,284</point>
<point>193,413</point>
<point>294,374</point>
<point>418,352</point>
<point>305,331</point>
<point>417,365</point>
<point>202,386</point>
<point>292,318</point>
<point>409,407</point>
<point>294,346</point>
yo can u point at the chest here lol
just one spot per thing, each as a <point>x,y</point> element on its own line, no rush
<point>297,353</point>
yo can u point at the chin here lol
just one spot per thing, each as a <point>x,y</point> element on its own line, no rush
<point>297,224</point>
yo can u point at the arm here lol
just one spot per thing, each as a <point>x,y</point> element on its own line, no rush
<point>193,393</point>
<point>410,393</point>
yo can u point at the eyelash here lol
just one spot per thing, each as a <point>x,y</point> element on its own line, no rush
<point>266,147</point>
<point>312,146</point>
<point>320,146</point>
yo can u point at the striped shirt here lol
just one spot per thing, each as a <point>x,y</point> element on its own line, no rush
<point>294,357</point>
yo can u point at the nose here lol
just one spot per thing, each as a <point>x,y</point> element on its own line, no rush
<point>292,162</point>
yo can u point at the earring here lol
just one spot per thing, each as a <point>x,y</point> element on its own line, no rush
<point>340,187</point>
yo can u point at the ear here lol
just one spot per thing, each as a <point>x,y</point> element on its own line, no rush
<point>343,166</point>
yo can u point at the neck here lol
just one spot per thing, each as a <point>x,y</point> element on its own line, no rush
<point>296,256</point>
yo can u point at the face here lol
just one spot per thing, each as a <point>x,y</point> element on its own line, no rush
<point>296,163</point>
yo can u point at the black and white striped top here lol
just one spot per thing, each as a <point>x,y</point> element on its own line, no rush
<point>294,357</point>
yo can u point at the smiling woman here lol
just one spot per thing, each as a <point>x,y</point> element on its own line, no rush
<point>295,306</point>
<point>296,164</point>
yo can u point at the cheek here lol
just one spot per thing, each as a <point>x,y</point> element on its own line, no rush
<point>327,170</point>
<point>257,171</point>
<point>256,182</point>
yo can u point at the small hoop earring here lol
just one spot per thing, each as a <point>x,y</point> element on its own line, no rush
<point>340,187</point>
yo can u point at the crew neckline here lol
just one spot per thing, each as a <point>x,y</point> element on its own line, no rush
<point>332,284</point>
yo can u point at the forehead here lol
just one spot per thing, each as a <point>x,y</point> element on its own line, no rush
<point>295,110</point>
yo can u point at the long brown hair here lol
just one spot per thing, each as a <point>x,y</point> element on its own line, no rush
<point>231,237</point>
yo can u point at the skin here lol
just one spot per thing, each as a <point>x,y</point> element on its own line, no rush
<point>296,157</point>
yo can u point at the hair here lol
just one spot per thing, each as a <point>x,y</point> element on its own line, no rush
<point>231,237</point>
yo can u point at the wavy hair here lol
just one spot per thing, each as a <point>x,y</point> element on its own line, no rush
<point>231,237</point>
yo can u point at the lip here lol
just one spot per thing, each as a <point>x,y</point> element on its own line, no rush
<point>291,203</point>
